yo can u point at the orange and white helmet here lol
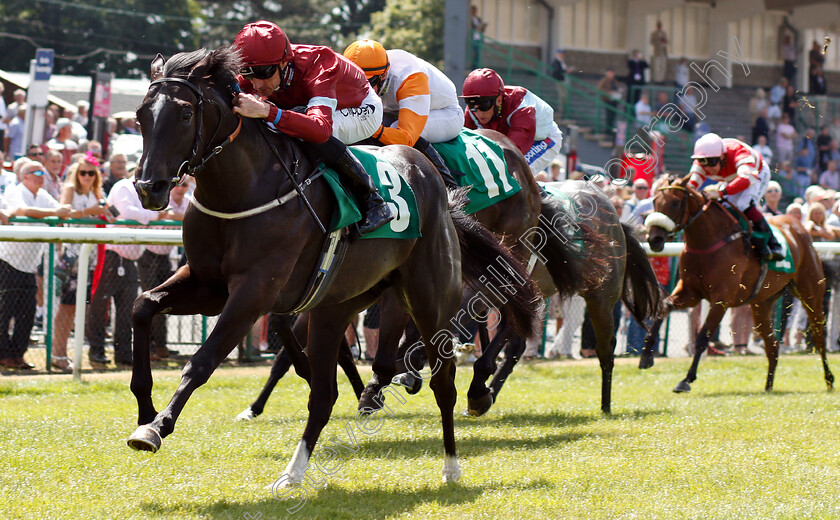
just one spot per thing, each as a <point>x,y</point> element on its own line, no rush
<point>369,55</point>
<point>709,145</point>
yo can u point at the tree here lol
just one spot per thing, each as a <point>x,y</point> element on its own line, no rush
<point>413,25</point>
<point>118,36</point>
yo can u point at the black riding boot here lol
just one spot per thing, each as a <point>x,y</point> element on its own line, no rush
<point>426,148</point>
<point>773,251</point>
<point>376,211</point>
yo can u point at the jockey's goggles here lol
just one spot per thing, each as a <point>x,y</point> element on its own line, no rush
<point>482,104</point>
<point>708,161</point>
<point>376,82</point>
<point>261,72</point>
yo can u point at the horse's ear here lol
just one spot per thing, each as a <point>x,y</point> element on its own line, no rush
<point>157,67</point>
<point>202,68</point>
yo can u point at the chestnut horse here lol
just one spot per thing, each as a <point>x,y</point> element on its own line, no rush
<point>719,265</point>
<point>252,246</point>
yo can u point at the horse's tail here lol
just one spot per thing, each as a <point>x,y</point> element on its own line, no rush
<point>491,271</point>
<point>563,250</point>
<point>642,292</point>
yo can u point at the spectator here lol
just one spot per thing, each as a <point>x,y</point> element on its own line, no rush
<point>761,147</point>
<point>830,178</point>
<point>682,73</point>
<point>3,125</point>
<point>63,140</point>
<point>785,135</point>
<point>659,41</point>
<point>688,104</point>
<point>478,27</point>
<point>13,142</point>
<point>54,163</point>
<point>834,128</point>
<point>788,52</point>
<point>794,210</point>
<point>82,108</point>
<point>815,63</point>
<point>119,280</point>
<point>117,170</point>
<point>643,112</point>
<point>610,94</point>
<point>761,128</point>
<point>823,147</point>
<point>772,198</point>
<point>558,72</point>
<point>82,193</point>
<point>790,104</point>
<point>818,87</point>
<point>636,67</point>
<point>809,143</point>
<point>803,169</point>
<point>555,173</point>
<point>777,92</point>
<point>786,177</point>
<point>20,101</point>
<point>78,132</point>
<point>154,268</point>
<point>833,152</point>
<point>18,264</point>
<point>35,153</point>
<point>758,103</point>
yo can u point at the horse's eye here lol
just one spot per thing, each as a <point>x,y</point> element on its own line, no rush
<point>187,115</point>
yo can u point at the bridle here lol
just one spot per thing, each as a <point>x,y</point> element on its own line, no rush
<point>683,209</point>
<point>187,167</point>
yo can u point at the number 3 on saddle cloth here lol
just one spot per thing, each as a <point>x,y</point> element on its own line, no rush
<point>482,163</point>
<point>392,187</point>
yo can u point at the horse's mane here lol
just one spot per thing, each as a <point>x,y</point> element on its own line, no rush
<point>218,66</point>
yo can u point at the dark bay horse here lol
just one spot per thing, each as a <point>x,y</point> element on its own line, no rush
<point>510,218</point>
<point>244,265</point>
<point>585,238</point>
<point>718,265</point>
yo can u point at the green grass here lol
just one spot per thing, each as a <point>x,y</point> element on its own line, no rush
<point>726,450</point>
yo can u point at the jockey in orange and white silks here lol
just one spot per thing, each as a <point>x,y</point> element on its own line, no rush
<point>420,103</point>
<point>742,175</point>
<point>518,113</point>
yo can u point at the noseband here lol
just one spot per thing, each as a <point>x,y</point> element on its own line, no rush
<point>187,167</point>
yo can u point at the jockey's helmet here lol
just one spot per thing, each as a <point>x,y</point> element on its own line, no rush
<point>483,83</point>
<point>709,145</point>
<point>370,56</point>
<point>262,43</point>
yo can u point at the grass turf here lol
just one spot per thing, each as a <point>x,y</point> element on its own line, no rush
<point>726,450</point>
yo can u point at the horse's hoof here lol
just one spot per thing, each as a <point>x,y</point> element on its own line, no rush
<point>682,387</point>
<point>369,402</point>
<point>145,438</point>
<point>451,469</point>
<point>246,415</point>
<point>646,361</point>
<point>478,407</point>
<point>412,383</point>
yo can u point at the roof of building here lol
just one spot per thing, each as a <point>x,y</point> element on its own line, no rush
<point>65,91</point>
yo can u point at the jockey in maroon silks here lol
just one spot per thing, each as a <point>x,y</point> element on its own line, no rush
<point>523,117</point>
<point>742,175</point>
<point>314,94</point>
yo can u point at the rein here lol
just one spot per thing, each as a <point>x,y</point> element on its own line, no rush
<point>683,207</point>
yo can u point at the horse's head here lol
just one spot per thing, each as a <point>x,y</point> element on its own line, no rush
<point>670,211</point>
<point>179,127</point>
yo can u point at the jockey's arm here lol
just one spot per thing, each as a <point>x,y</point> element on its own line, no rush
<point>736,185</point>
<point>414,100</point>
<point>523,127</point>
<point>698,177</point>
<point>315,125</point>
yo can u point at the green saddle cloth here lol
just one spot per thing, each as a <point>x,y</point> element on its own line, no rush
<point>760,238</point>
<point>393,188</point>
<point>482,162</point>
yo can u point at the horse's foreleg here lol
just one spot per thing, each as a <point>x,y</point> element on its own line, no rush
<point>392,323</point>
<point>761,313</point>
<point>327,326</point>
<point>479,397</point>
<point>240,312</point>
<point>180,294</point>
<point>711,324</point>
<point>679,299</point>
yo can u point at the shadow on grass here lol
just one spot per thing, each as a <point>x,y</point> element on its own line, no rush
<point>758,392</point>
<point>335,502</point>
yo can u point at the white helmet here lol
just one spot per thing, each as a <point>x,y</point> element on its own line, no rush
<point>710,145</point>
